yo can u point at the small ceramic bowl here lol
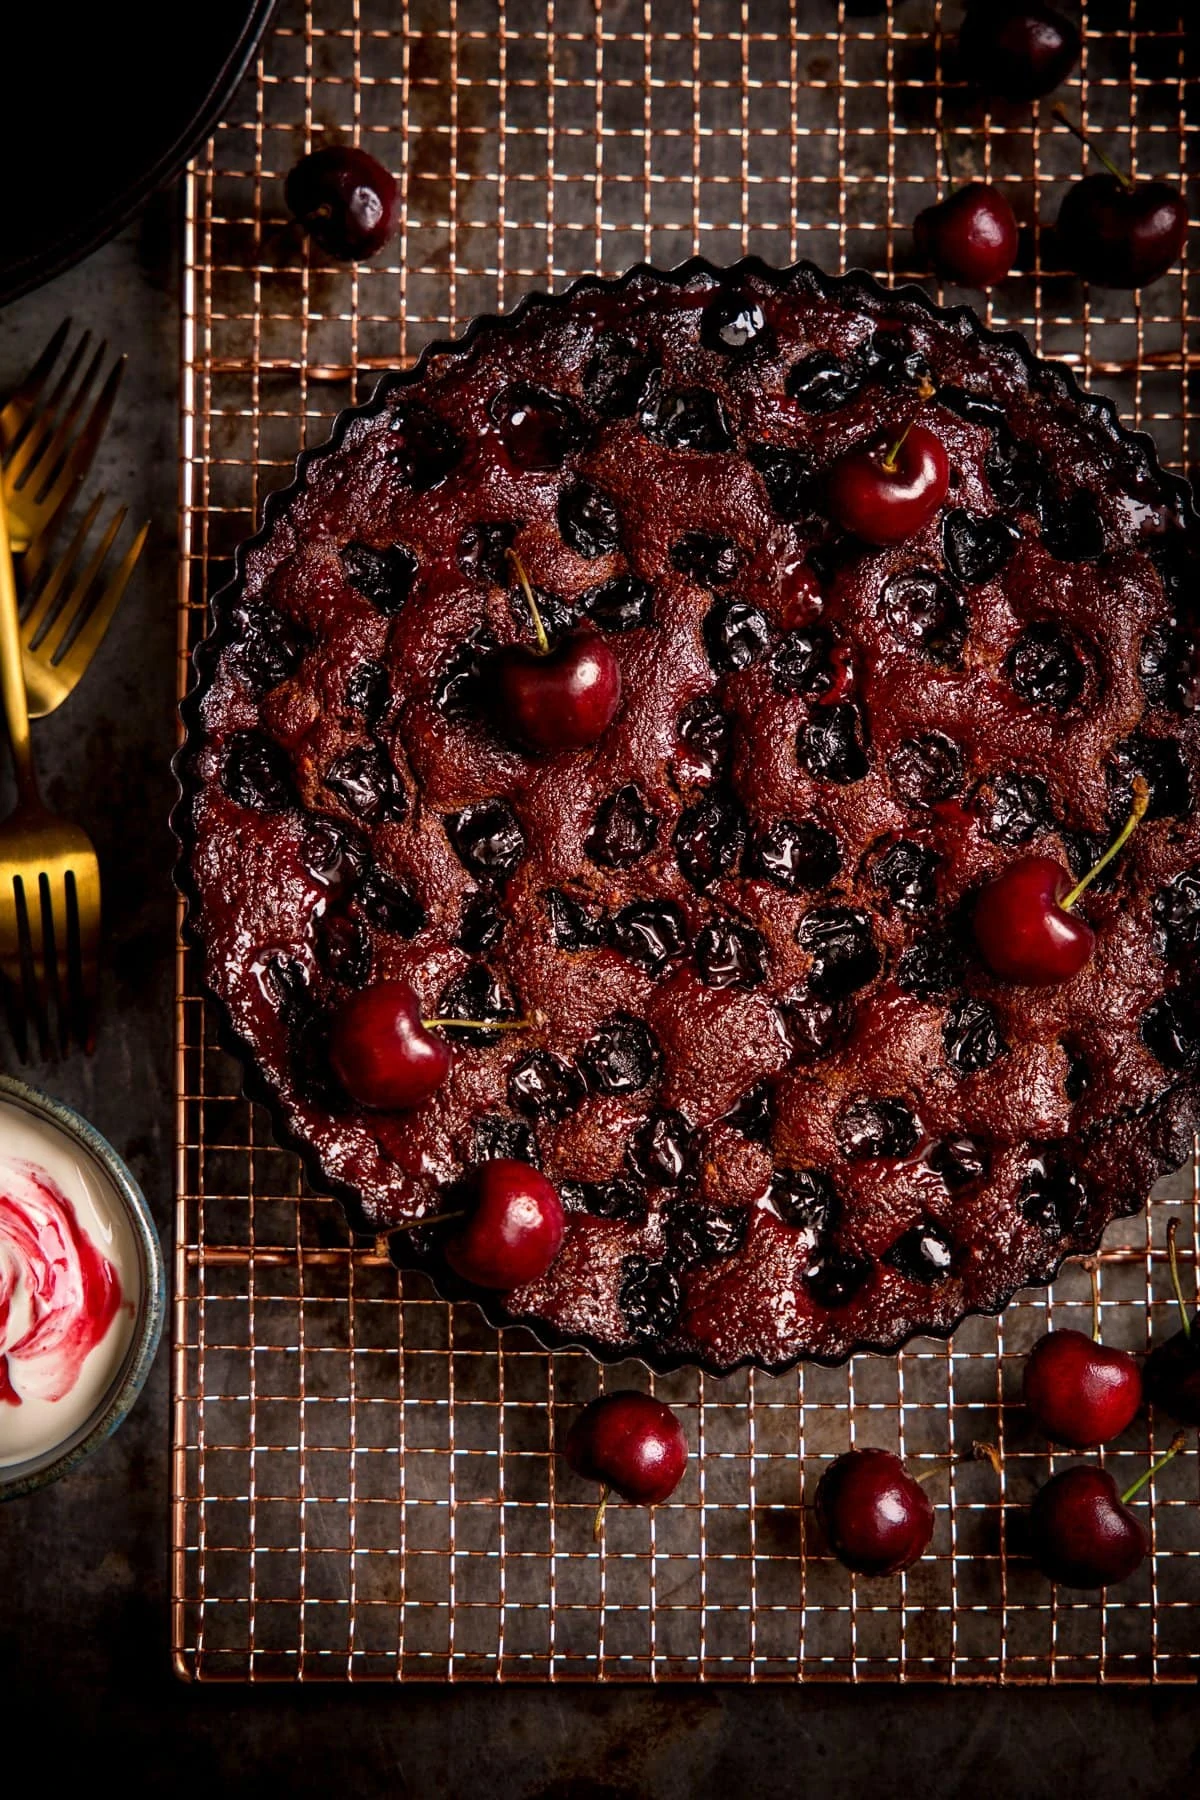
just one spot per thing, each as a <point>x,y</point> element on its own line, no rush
<point>127,1198</point>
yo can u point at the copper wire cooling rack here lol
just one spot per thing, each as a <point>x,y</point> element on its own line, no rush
<point>365,1481</point>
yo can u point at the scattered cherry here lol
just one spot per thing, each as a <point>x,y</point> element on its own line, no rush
<point>1019,51</point>
<point>876,1517</point>
<point>560,699</point>
<point>1023,923</point>
<point>887,492</point>
<point>1080,1392</point>
<point>1081,1531</point>
<point>1173,1369</point>
<point>632,1444</point>
<point>344,199</point>
<point>970,237</point>
<point>385,1055</point>
<point>1116,231</point>
<point>513,1232</point>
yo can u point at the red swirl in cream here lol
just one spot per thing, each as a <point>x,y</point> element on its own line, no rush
<point>58,1291</point>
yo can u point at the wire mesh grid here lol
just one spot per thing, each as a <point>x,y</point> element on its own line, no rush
<point>365,1478</point>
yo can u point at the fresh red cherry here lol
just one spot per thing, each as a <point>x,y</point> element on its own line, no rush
<point>970,237</point>
<point>560,699</point>
<point>1081,1531</point>
<point>1024,926</point>
<point>1173,1368</point>
<point>381,1051</point>
<point>876,1518</point>
<point>344,199</point>
<point>513,1232</point>
<point>1080,1392</point>
<point>1019,51</point>
<point>887,492</point>
<point>632,1444</point>
<point>1116,231</point>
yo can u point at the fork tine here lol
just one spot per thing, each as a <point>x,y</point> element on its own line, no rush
<point>29,451</point>
<point>65,461</point>
<point>72,609</point>
<point>80,650</point>
<point>23,396</point>
<point>33,987</point>
<point>48,601</point>
<point>54,943</point>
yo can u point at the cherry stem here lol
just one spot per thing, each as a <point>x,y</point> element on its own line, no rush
<point>889,461</point>
<point>1092,1265</point>
<point>543,642</point>
<point>425,1219</point>
<point>944,136</point>
<point>1126,181</point>
<point>1178,1443</point>
<point>979,1452</point>
<point>478,1024</point>
<point>598,1521</point>
<point>1173,1264</point>
<point>1141,800</point>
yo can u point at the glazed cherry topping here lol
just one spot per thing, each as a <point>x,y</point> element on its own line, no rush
<point>1019,51</point>
<point>876,1518</point>
<point>557,699</point>
<point>514,1231</point>
<point>889,491</point>
<point>381,1051</point>
<point>1119,232</point>
<point>344,199</point>
<point>1081,1531</point>
<point>632,1444</point>
<point>970,237</point>
<point>1173,1368</point>
<point>1081,1393</point>
<point>1024,925</point>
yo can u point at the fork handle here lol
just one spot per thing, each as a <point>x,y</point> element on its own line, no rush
<point>12,674</point>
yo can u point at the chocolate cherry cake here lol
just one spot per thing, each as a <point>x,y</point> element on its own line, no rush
<point>709,964</point>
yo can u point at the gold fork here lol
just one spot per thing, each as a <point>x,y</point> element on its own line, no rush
<point>49,876</point>
<point>72,610</point>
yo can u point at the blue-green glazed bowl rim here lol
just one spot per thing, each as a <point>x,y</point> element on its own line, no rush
<point>39,1471</point>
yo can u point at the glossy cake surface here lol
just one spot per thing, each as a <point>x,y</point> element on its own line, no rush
<point>788,1108</point>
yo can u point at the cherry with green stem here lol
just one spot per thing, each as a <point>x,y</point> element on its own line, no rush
<point>1114,230</point>
<point>1081,1531</point>
<point>385,1054</point>
<point>971,236</point>
<point>1081,1392</point>
<point>889,490</point>
<point>561,697</point>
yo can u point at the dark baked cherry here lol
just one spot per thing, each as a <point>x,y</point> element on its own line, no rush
<point>1053,1196</point>
<point>381,1051</point>
<point>971,1036</point>
<point>389,903</point>
<point>1169,666</point>
<point>1078,1074</point>
<point>752,1113</point>
<point>796,855</point>
<point>906,873</point>
<point>1079,1392</point>
<point>1176,914</point>
<point>1081,1531</point>
<point>332,853</point>
<point>620,604</point>
<point>632,1444</point>
<point>1044,667</point>
<point>345,200</point>
<point>616,377</point>
<point>649,1297</point>
<point>731,322</point>
<point>707,558</point>
<point>664,1149</point>
<point>481,924</point>
<point>685,418</point>
<point>841,943</point>
<point>835,1277</point>
<point>1020,806</point>
<point>368,691</point>
<point>365,781</point>
<point>706,731</point>
<point>623,830</point>
<point>488,838</point>
<point>621,1056</point>
<point>1015,472</point>
<point>975,547</point>
<point>571,925</point>
<point>384,577</point>
<point>802,662</point>
<point>876,1126</point>
<point>821,382</point>
<point>927,770</point>
<point>830,746</point>
<point>730,955</point>
<point>539,430</point>
<point>889,490</point>
<point>970,237</point>
<point>698,1233</point>
<point>1160,763</point>
<point>269,647</point>
<point>257,774</point>
<point>787,476</point>
<point>625,1200</point>
<point>544,1086</point>
<point>460,690</point>
<point>1072,528</point>
<point>496,1137</point>
<point>930,967</point>
<point>422,448</point>
<point>1018,49</point>
<point>1170,1030</point>
<point>483,550</point>
<point>343,948</point>
<point>959,1161</point>
<point>876,1519</point>
<point>1023,922</point>
<point>1172,1374</point>
<point>1121,233</point>
<point>922,1254</point>
<point>813,1027</point>
<point>651,933</point>
<point>475,1007</point>
<point>709,839</point>
<point>805,1199</point>
<point>924,611</point>
<point>514,1230</point>
<point>893,361</point>
<point>588,521</point>
<point>735,635</point>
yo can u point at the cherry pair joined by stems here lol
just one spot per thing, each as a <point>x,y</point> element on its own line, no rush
<point>1024,924</point>
<point>1118,232</point>
<point>385,1054</point>
<point>1173,1369</point>
<point>887,491</point>
<point>1081,1392</point>
<point>556,699</point>
<point>632,1444</point>
<point>1081,1531</point>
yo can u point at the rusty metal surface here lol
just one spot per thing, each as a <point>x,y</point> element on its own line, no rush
<point>365,1484</point>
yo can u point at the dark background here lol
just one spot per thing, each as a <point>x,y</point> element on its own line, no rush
<point>85,1679</point>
